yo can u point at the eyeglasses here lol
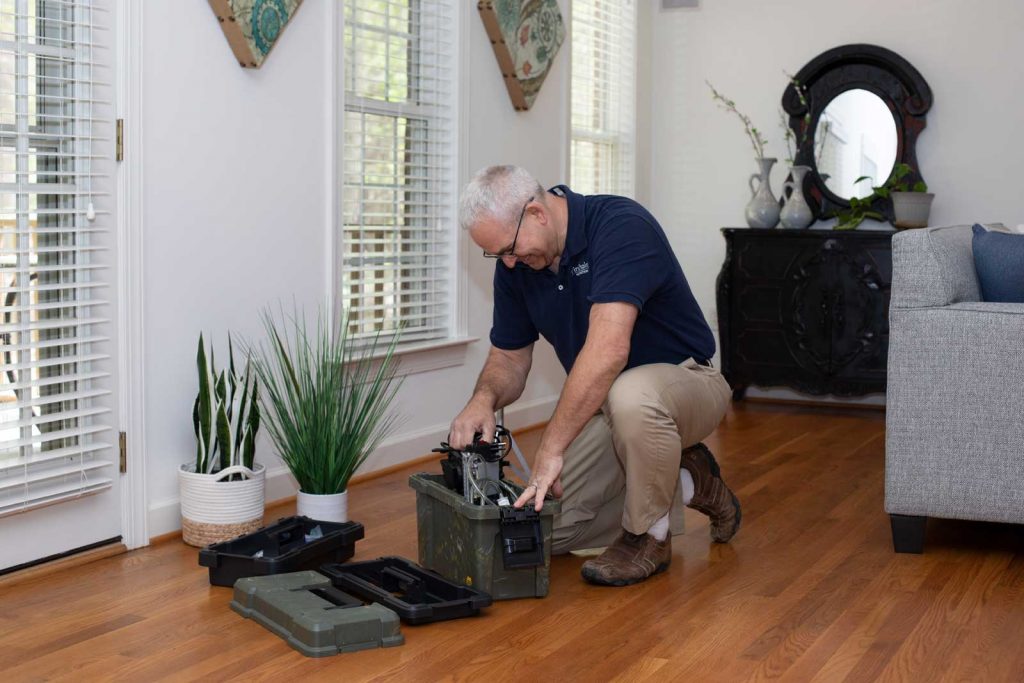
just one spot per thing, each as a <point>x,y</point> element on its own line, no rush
<point>511,251</point>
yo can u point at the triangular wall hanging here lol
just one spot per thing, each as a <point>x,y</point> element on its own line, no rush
<point>526,35</point>
<point>252,27</point>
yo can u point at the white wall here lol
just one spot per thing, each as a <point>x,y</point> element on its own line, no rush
<point>236,217</point>
<point>969,53</point>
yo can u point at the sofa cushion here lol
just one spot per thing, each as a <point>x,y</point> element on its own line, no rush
<point>933,267</point>
<point>999,263</point>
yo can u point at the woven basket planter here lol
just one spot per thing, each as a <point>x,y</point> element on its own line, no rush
<point>214,510</point>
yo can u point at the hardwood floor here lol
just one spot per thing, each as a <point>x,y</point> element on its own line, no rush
<point>809,589</point>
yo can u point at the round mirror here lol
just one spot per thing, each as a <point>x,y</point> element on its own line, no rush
<point>855,138</point>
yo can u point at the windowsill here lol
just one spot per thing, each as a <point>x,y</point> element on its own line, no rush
<point>432,355</point>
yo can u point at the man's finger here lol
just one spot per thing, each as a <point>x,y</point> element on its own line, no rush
<point>524,498</point>
<point>488,431</point>
<point>539,501</point>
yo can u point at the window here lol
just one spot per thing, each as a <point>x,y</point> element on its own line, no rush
<point>603,96</point>
<point>398,167</point>
<point>54,108</point>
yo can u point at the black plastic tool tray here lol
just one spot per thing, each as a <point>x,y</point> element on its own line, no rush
<point>284,547</point>
<point>418,595</point>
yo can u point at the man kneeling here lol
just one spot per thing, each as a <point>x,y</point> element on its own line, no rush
<point>595,275</point>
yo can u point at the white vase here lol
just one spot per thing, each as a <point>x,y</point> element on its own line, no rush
<point>214,509</point>
<point>911,209</point>
<point>763,209</point>
<point>796,214</point>
<point>331,507</point>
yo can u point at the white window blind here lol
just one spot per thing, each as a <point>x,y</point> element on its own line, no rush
<point>398,165</point>
<point>603,96</point>
<point>55,137</point>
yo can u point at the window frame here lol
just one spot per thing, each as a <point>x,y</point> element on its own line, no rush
<point>417,356</point>
<point>621,143</point>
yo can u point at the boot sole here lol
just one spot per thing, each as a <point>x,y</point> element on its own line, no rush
<point>623,582</point>
<point>716,471</point>
<point>739,518</point>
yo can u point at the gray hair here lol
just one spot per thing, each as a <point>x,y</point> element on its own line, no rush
<point>497,192</point>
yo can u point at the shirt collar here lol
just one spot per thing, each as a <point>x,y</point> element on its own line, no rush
<point>575,233</point>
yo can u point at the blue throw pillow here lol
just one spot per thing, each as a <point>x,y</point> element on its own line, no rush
<point>999,262</point>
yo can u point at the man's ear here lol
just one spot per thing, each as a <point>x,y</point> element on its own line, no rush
<point>538,212</point>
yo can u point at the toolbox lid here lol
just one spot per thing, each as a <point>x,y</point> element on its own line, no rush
<point>313,616</point>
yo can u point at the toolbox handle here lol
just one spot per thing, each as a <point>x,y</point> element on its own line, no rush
<point>287,537</point>
<point>411,586</point>
<point>336,597</point>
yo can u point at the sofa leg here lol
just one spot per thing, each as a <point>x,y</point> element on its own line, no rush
<point>908,533</point>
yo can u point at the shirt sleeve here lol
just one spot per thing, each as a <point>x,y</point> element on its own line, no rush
<point>629,262</point>
<point>511,326</point>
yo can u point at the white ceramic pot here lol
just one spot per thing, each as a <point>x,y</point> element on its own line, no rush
<point>325,508</point>
<point>763,209</point>
<point>213,509</point>
<point>911,209</point>
<point>796,214</point>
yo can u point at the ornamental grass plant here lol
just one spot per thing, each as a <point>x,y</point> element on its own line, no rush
<point>326,396</point>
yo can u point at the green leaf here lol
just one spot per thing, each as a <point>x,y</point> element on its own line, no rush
<point>252,426</point>
<point>200,460</point>
<point>220,389</point>
<point>240,420</point>
<point>920,186</point>
<point>223,437</point>
<point>205,407</point>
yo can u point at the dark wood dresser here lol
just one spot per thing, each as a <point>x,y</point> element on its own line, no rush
<point>806,309</point>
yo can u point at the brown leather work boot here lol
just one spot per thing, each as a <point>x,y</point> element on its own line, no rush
<point>710,494</point>
<point>630,559</point>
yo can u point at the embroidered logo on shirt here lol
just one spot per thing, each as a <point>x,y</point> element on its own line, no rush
<point>581,269</point>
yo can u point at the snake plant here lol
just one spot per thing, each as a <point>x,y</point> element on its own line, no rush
<point>226,413</point>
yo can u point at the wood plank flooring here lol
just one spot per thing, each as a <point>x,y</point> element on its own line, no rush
<point>809,590</point>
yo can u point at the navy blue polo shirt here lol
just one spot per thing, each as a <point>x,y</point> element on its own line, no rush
<point>614,251</point>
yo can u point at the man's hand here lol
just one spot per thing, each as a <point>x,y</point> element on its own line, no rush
<point>474,418</point>
<point>500,383</point>
<point>547,470</point>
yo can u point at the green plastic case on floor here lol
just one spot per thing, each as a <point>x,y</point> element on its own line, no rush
<point>312,616</point>
<point>462,542</point>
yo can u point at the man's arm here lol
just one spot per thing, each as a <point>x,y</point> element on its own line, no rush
<point>602,358</point>
<point>500,383</point>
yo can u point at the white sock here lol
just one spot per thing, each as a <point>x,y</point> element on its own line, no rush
<point>686,481</point>
<point>659,529</point>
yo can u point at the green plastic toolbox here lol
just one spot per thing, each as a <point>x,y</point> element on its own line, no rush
<point>463,542</point>
<point>312,616</point>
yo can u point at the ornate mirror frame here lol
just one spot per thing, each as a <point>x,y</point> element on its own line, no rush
<point>849,67</point>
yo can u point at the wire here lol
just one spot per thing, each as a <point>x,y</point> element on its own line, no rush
<point>483,496</point>
<point>523,474</point>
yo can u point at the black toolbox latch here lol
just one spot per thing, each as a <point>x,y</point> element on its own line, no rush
<point>522,542</point>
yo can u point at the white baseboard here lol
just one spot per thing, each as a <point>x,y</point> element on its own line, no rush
<point>792,395</point>
<point>165,515</point>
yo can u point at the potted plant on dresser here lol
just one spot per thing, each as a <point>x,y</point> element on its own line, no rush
<point>222,492</point>
<point>911,204</point>
<point>327,399</point>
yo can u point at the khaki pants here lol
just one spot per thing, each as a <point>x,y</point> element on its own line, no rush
<point>622,471</point>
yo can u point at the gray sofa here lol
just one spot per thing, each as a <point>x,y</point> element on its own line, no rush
<point>955,398</point>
